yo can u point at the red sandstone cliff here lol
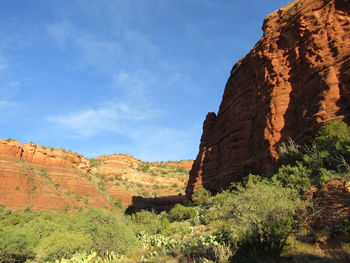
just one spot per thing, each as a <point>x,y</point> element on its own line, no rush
<point>295,78</point>
<point>43,178</point>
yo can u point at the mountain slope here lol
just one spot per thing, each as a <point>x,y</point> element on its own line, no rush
<point>43,178</point>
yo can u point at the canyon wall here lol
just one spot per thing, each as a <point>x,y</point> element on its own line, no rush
<point>294,79</point>
<point>44,178</point>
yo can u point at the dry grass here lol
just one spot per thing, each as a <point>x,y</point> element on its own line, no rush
<point>302,252</point>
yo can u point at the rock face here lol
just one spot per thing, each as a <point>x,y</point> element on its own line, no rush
<point>43,178</point>
<point>332,203</point>
<point>294,79</point>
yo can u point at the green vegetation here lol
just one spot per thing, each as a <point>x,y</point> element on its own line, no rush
<point>144,167</point>
<point>49,236</point>
<point>170,178</point>
<point>325,157</point>
<point>262,219</point>
<point>96,162</point>
<point>257,218</point>
<point>68,193</point>
<point>180,213</point>
<point>200,196</point>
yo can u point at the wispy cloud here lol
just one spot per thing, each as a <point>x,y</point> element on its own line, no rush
<point>135,85</point>
<point>112,116</point>
<point>136,70</point>
<point>118,62</point>
<point>105,55</point>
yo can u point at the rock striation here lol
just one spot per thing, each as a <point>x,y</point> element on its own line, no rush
<point>44,178</point>
<point>294,79</point>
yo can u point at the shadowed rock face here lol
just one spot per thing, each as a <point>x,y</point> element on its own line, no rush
<point>294,79</point>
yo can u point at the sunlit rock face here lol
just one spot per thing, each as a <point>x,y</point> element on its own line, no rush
<point>44,178</point>
<point>294,79</point>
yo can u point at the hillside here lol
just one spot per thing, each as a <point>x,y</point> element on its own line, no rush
<point>43,178</point>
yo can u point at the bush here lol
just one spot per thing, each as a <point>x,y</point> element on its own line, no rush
<point>289,152</point>
<point>200,196</point>
<point>146,221</point>
<point>297,177</point>
<point>14,246</point>
<point>334,139</point>
<point>180,212</point>
<point>46,236</point>
<point>256,220</point>
<point>40,227</point>
<point>326,156</point>
<point>108,232</point>
<point>62,244</point>
<point>96,162</point>
<point>177,228</point>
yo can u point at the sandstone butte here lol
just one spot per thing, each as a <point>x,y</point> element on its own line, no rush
<point>294,79</point>
<point>43,178</point>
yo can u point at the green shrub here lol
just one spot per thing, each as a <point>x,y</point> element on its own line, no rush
<point>42,225</point>
<point>200,196</point>
<point>326,156</point>
<point>334,138</point>
<point>117,203</point>
<point>92,257</point>
<point>47,236</point>
<point>257,219</point>
<point>14,246</point>
<point>289,152</point>
<point>180,212</point>
<point>96,162</point>
<point>108,231</point>
<point>62,244</point>
<point>297,176</point>
<point>101,185</point>
<point>177,228</point>
<point>43,173</point>
<point>144,167</point>
<point>146,221</point>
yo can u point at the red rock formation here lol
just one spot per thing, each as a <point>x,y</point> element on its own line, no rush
<point>295,78</point>
<point>332,203</point>
<point>184,164</point>
<point>44,178</point>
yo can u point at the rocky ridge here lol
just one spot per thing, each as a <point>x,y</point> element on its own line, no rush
<point>43,178</point>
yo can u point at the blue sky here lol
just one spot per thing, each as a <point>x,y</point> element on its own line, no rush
<point>120,76</point>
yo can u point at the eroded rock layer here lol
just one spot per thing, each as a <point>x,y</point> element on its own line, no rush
<point>295,78</point>
<point>43,178</point>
